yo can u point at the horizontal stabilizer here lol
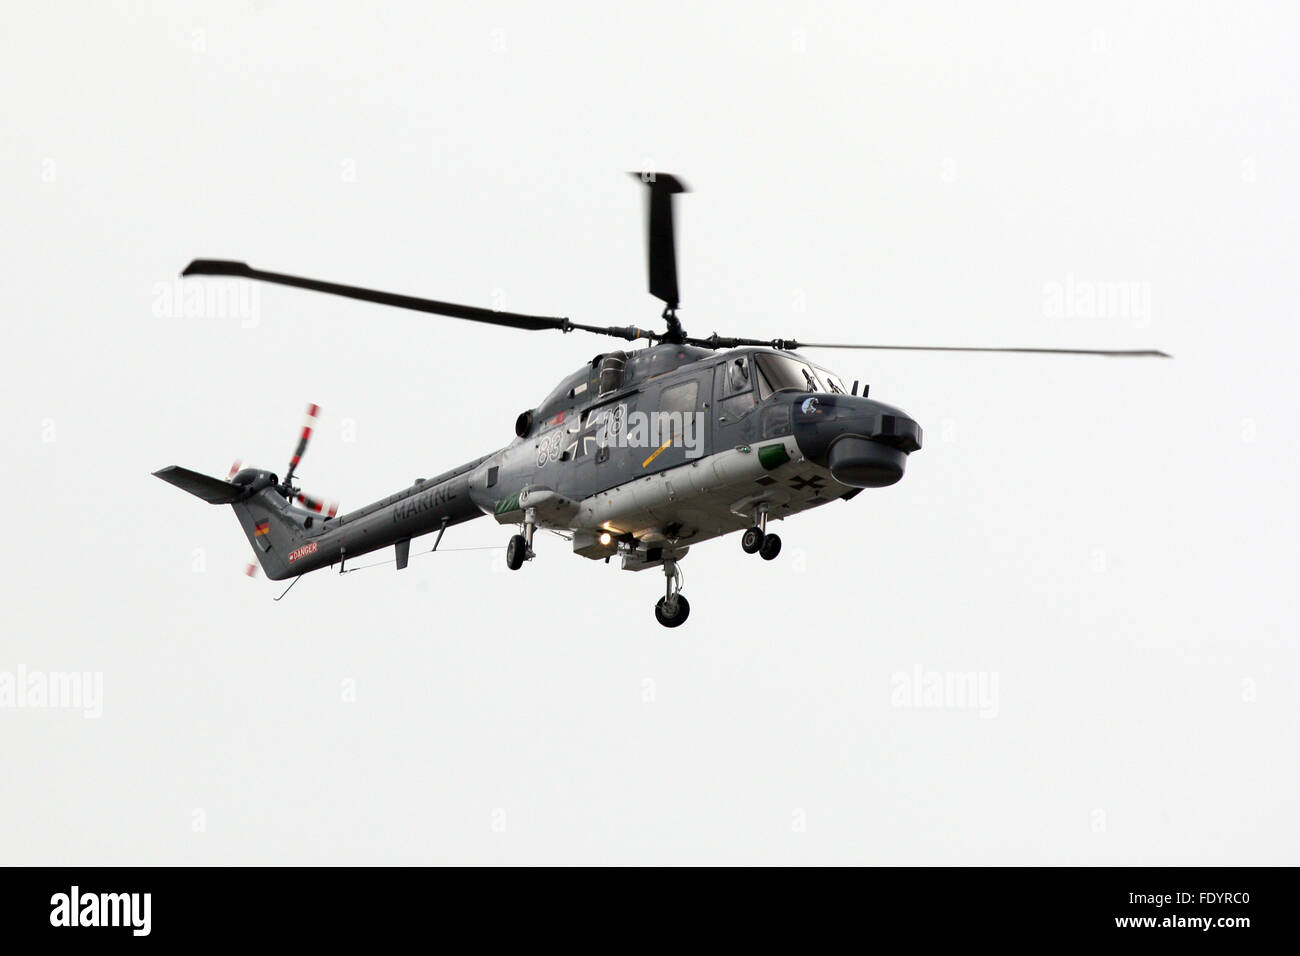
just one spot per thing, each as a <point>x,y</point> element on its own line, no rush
<point>212,490</point>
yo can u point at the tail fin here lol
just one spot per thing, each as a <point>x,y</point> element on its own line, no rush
<point>212,490</point>
<point>272,527</point>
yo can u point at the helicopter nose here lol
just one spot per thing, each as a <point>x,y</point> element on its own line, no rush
<point>863,442</point>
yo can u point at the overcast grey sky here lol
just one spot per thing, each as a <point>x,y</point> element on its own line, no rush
<point>1106,547</point>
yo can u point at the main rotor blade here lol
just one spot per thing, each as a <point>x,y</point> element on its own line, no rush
<point>1113,353</point>
<point>716,341</point>
<point>242,270</point>
<point>662,247</point>
<point>513,320</point>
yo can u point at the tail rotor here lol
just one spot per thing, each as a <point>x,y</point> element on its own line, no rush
<point>251,491</point>
<point>287,488</point>
<point>322,506</point>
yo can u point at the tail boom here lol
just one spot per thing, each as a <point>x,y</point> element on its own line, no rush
<point>289,541</point>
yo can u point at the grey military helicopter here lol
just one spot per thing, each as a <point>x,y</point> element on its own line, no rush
<point>637,455</point>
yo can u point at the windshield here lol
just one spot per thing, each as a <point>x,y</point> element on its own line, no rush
<point>777,373</point>
<point>832,381</point>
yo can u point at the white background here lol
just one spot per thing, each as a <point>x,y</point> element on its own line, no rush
<point>1113,540</point>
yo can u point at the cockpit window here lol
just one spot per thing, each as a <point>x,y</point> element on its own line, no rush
<point>738,376</point>
<point>778,373</point>
<point>832,381</point>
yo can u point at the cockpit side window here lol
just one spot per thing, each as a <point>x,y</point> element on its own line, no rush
<point>776,373</point>
<point>737,376</point>
<point>736,389</point>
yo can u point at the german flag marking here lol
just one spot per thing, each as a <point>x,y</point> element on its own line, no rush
<point>261,528</point>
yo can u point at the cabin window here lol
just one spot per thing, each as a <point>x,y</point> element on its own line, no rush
<point>737,406</point>
<point>680,398</point>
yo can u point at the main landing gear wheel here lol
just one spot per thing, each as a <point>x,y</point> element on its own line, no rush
<point>678,615</point>
<point>770,548</point>
<point>672,609</point>
<point>756,540</point>
<point>516,552</point>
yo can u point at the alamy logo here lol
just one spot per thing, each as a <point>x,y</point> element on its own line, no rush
<point>1088,299</point>
<point>53,690</point>
<point>951,690</point>
<point>618,427</point>
<point>208,300</point>
<point>102,909</point>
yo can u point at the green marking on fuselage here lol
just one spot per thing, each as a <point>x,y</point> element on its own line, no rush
<point>773,456</point>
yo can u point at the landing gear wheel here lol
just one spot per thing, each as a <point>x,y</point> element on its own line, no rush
<point>679,615</point>
<point>771,547</point>
<point>752,540</point>
<point>516,552</point>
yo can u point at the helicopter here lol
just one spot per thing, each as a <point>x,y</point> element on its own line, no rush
<point>638,454</point>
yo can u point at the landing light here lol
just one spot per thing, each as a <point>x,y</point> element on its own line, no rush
<point>606,538</point>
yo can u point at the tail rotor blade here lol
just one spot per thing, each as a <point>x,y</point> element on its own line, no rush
<point>309,423</point>
<point>321,506</point>
<point>234,469</point>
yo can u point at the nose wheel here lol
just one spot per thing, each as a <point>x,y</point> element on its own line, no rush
<point>756,540</point>
<point>673,609</point>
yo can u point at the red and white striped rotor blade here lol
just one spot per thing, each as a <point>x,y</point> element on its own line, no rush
<point>234,469</point>
<point>319,505</point>
<point>308,425</point>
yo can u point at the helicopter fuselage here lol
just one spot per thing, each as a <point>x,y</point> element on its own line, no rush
<point>638,455</point>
